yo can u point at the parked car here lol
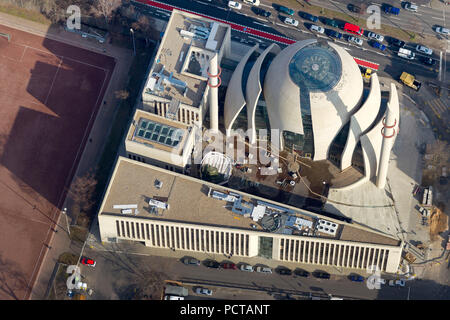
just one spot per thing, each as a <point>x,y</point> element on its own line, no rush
<point>428,61</point>
<point>333,34</point>
<point>291,21</point>
<point>191,261</point>
<point>354,8</point>
<point>356,278</point>
<point>284,271</point>
<point>252,2</point>
<point>205,291</point>
<point>263,269</point>
<point>286,10</point>
<point>246,267</point>
<point>261,12</point>
<point>410,7</point>
<point>387,8</point>
<point>212,264</point>
<point>170,297</point>
<point>234,5</point>
<point>377,45</point>
<point>321,274</point>
<point>442,30</point>
<point>88,261</point>
<point>424,49</point>
<point>331,22</point>
<point>301,273</point>
<point>375,36</point>
<point>228,265</point>
<point>315,28</point>
<point>398,283</point>
<point>308,16</point>
<point>355,40</point>
<point>397,42</point>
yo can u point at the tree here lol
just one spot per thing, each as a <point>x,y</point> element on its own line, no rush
<point>149,286</point>
<point>82,191</point>
<point>122,94</point>
<point>106,7</point>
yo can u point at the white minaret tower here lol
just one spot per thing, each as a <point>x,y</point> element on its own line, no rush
<point>389,130</point>
<point>214,83</point>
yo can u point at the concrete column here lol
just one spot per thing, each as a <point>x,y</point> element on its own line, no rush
<point>213,83</point>
<point>303,251</point>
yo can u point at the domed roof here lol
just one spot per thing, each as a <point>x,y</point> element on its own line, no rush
<point>316,67</point>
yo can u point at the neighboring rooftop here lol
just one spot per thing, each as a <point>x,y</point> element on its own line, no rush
<point>192,201</point>
<point>157,132</point>
<point>180,68</point>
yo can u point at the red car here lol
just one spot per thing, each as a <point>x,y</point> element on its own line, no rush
<point>228,265</point>
<point>88,261</point>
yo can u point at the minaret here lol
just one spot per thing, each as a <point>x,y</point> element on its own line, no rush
<point>214,83</point>
<point>389,130</point>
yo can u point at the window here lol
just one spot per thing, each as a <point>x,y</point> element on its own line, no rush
<point>117,228</point>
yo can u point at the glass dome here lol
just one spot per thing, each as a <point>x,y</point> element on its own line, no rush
<point>316,67</point>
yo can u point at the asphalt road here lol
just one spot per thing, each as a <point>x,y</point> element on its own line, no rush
<point>390,64</point>
<point>116,270</point>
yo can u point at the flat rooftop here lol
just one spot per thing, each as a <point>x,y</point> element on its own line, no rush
<point>157,132</point>
<point>181,56</point>
<point>135,183</point>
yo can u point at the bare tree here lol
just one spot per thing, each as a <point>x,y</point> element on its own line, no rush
<point>149,286</point>
<point>122,94</point>
<point>106,7</point>
<point>82,191</point>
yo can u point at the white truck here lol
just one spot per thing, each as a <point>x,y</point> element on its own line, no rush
<point>405,53</point>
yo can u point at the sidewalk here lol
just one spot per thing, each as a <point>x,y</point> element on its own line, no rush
<point>60,242</point>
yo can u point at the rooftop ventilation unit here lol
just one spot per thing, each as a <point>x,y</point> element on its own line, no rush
<point>125,206</point>
<point>327,227</point>
<point>158,204</point>
<point>158,184</point>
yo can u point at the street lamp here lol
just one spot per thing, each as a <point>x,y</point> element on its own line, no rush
<point>132,36</point>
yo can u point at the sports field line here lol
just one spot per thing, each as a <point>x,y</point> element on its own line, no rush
<point>53,81</point>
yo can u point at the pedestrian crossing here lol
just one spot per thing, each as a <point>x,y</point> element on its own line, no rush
<point>437,106</point>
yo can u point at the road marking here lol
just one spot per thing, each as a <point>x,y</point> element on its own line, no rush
<point>260,19</point>
<point>437,18</point>
<point>440,64</point>
<point>348,49</point>
<point>283,25</point>
<point>261,24</point>
<point>265,5</point>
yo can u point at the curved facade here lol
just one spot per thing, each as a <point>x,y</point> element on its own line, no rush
<point>313,93</point>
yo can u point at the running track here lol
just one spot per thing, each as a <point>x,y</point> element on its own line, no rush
<point>248,30</point>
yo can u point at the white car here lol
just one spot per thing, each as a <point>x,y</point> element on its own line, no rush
<point>263,269</point>
<point>355,40</point>
<point>235,5</point>
<point>376,36</point>
<point>291,21</point>
<point>246,267</point>
<point>443,30</point>
<point>252,2</point>
<point>399,283</point>
<point>424,49</point>
<point>411,7</point>
<point>204,291</point>
<point>317,28</point>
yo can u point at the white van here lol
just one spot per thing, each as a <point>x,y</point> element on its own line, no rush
<point>263,269</point>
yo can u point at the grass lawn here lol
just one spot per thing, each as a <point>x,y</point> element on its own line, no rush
<point>24,13</point>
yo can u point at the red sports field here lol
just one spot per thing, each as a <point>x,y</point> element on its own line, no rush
<point>50,93</point>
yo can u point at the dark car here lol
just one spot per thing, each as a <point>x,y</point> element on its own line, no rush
<point>377,45</point>
<point>212,264</point>
<point>354,8</point>
<point>286,10</point>
<point>397,42</point>
<point>284,271</point>
<point>331,22</point>
<point>261,12</point>
<point>333,34</point>
<point>356,278</point>
<point>88,261</point>
<point>321,274</point>
<point>428,61</point>
<point>387,8</point>
<point>301,273</point>
<point>191,261</point>
<point>308,16</point>
<point>228,265</point>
